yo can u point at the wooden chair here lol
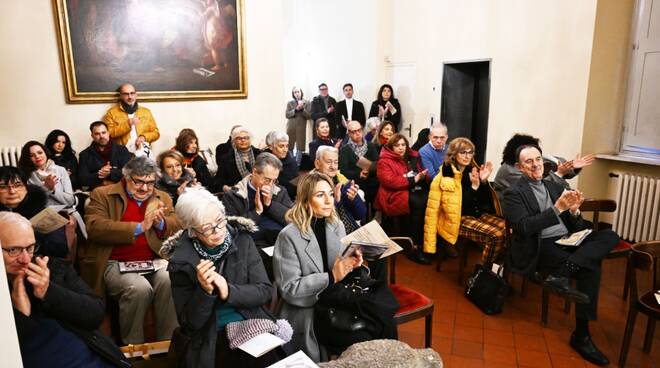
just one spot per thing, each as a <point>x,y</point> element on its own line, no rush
<point>412,304</point>
<point>644,257</point>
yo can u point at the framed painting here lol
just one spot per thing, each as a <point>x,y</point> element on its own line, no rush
<point>168,49</point>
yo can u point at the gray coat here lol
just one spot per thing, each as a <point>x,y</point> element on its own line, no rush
<point>298,271</point>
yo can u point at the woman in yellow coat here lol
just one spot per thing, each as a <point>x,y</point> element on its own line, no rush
<point>461,203</point>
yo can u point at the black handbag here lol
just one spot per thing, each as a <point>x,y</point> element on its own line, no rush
<point>487,289</point>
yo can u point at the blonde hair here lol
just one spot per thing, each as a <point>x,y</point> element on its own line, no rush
<point>301,213</point>
<point>457,145</point>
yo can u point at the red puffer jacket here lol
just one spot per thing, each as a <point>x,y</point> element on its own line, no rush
<point>392,197</point>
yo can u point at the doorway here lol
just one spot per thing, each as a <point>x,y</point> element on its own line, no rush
<point>465,100</point>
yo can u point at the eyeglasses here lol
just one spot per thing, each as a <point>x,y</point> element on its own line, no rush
<point>139,183</point>
<point>356,131</point>
<point>16,251</point>
<point>466,153</point>
<point>210,229</point>
<point>14,186</point>
<point>242,138</point>
<point>128,93</point>
<point>323,89</point>
<point>175,166</point>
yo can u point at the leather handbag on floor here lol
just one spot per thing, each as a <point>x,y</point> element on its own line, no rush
<point>487,289</point>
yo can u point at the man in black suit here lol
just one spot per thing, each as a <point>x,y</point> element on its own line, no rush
<point>349,110</point>
<point>541,212</point>
<point>324,106</point>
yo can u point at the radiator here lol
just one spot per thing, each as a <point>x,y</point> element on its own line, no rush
<point>9,156</point>
<point>637,217</point>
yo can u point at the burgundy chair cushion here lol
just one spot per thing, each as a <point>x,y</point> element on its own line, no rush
<point>622,246</point>
<point>409,300</point>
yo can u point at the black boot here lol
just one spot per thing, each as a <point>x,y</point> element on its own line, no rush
<point>586,348</point>
<point>417,255</point>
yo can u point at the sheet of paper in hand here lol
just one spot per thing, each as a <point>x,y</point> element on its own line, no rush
<point>47,221</point>
<point>575,239</point>
<point>370,251</point>
<point>374,234</point>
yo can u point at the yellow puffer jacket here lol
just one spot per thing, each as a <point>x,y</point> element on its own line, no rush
<point>120,130</point>
<point>443,209</point>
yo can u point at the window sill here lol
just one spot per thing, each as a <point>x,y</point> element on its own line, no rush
<point>631,158</point>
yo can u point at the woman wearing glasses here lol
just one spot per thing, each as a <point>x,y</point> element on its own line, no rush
<point>462,203</point>
<point>238,162</point>
<point>217,278</point>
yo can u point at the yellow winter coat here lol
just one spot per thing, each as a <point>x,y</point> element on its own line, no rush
<point>443,209</point>
<point>120,130</point>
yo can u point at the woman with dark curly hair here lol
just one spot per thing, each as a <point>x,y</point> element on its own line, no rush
<point>386,107</point>
<point>58,147</point>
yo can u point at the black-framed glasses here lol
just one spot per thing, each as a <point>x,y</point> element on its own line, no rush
<point>466,153</point>
<point>16,251</point>
<point>210,229</point>
<point>15,186</point>
<point>140,183</point>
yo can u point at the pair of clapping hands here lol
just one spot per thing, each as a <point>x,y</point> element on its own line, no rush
<point>351,193</point>
<point>570,200</point>
<point>37,274</point>
<point>481,174</point>
<point>209,279</point>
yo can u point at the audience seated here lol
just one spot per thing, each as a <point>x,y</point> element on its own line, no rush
<point>174,178</point>
<point>16,195</point>
<point>226,147</point>
<point>58,148</point>
<point>130,125</point>
<point>259,198</point>
<point>127,222</point>
<point>308,266</point>
<point>349,205</point>
<point>238,162</point>
<point>57,315</point>
<point>298,111</point>
<point>541,212</point>
<point>385,131</point>
<point>461,203</point>
<point>355,149</point>
<point>101,163</point>
<point>386,107</point>
<point>403,189</point>
<point>188,146</point>
<point>349,109</point>
<point>217,278</point>
<point>323,106</point>
<point>371,128</point>
<point>278,145</point>
<point>433,153</point>
<point>323,137</point>
<point>44,173</point>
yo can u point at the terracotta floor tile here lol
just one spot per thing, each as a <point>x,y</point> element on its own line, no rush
<point>443,329</point>
<point>561,361</point>
<point>473,334</point>
<point>526,327</point>
<point>469,320</point>
<point>530,342</point>
<point>535,359</point>
<point>468,349</point>
<point>500,354</point>
<point>453,361</point>
<point>499,338</point>
<point>443,345</point>
<point>495,323</point>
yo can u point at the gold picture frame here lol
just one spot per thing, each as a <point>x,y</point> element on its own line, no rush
<point>168,49</point>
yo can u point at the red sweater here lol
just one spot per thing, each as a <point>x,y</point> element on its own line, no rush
<point>138,251</point>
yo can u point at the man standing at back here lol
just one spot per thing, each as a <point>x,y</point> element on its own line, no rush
<point>349,109</point>
<point>130,124</point>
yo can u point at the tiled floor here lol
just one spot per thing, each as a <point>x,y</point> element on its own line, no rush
<point>465,337</point>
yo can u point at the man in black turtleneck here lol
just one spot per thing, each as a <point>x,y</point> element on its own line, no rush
<point>541,212</point>
<point>324,106</point>
<point>130,124</point>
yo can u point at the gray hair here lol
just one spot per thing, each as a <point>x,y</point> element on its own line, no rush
<point>275,137</point>
<point>238,130</point>
<point>439,124</point>
<point>192,206</point>
<point>14,219</point>
<point>267,159</point>
<point>141,166</point>
<point>323,149</point>
<point>372,123</point>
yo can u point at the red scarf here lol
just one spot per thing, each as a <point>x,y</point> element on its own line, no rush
<point>382,140</point>
<point>104,152</point>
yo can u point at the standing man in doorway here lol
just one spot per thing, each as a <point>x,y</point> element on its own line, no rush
<point>349,109</point>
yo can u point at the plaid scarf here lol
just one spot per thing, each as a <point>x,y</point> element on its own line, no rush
<point>359,151</point>
<point>240,163</point>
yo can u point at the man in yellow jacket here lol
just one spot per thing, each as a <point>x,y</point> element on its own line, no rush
<point>130,124</point>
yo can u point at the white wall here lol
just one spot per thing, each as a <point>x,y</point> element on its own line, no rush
<point>540,53</point>
<point>32,93</point>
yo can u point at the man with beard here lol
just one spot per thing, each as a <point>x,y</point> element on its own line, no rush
<point>323,106</point>
<point>102,161</point>
<point>130,124</point>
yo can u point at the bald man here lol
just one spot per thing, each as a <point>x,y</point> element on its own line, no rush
<point>57,315</point>
<point>128,123</point>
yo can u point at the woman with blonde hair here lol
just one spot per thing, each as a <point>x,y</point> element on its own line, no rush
<point>462,203</point>
<point>309,268</point>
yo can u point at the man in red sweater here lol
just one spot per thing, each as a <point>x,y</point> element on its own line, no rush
<point>127,223</point>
